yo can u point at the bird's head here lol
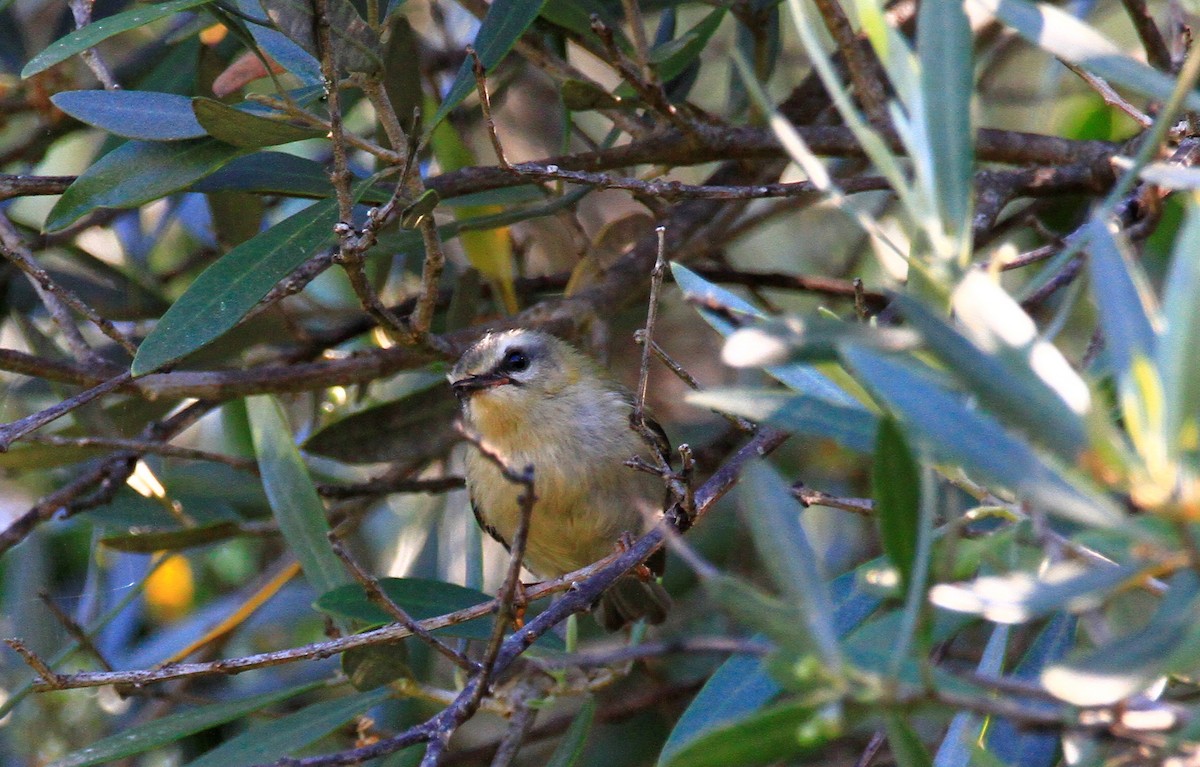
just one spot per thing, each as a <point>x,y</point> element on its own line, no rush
<point>516,371</point>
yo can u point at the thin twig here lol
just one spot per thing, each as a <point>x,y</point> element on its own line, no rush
<point>143,447</point>
<point>1110,95</point>
<point>376,594</point>
<point>76,631</point>
<point>81,11</point>
<point>1157,52</point>
<point>485,102</point>
<point>387,485</point>
<point>10,432</point>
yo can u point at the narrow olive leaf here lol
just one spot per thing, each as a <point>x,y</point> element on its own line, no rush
<point>966,727</point>
<point>505,22</point>
<point>674,56</point>
<point>766,736</point>
<point>170,729</point>
<point>1008,740</point>
<point>944,51</point>
<point>1002,374</point>
<point>1020,596</point>
<point>774,517</point>
<point>133,114</point>
<point>1123,296</point>
<point>955,432</point>
<point>739,687</point>
<point>896,487</point>
<point>1169,642</point>
<point>150,541</point>
<point>278,173</point>
<point>570,748</point>
<point>293,497</point>
<point>136,173</point>
<point>1061,34</point>
<point>244,129</point>
<point>1177,347</point>
<point>413,429</point>
<point>905,746</point>
<point>356,48</point>
<point>267,742</point>
<point>850,427</point>
<point>234,285</point>
<point>96,32</point>
<point>726,312</point>
<point>279,48</point>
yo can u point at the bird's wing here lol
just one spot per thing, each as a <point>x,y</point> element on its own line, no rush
<point>483,525</point>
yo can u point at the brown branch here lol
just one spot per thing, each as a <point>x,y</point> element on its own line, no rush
<point>16,185</point>
<point>867,76</point>
<point>1157,52</point>
<point>13,431</point>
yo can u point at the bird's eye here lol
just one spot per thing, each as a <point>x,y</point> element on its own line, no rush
<point>515,361</point>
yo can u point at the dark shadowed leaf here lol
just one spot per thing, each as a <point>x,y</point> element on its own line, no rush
<point>767,736</point>
<point>150,541</point>
<point>571,746</point>
<point>294,501</point>
<point>896,487</point>
<point>355,46</point>
<point>96,32</point>
<point>232,286</point>
<point>268,741</point>
<point>244,129</point>
<point>136,173</point>
<point>133,114</point>
<point>504,24</point>
<point>413,430</point>
<point>279,48</point>
<point>169,729</point>
<point>906,747</point>
<point>738,688</point>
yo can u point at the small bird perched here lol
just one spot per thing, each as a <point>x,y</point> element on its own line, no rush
<point>536,400</point>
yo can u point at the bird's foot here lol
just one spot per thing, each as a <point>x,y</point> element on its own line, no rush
<point>625,543</point>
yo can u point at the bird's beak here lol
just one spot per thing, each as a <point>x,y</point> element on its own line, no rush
<point>465,387</point>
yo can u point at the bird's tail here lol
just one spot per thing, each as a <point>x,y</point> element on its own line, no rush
<point>631,599</point>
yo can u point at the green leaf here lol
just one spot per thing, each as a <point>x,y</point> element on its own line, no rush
<point>944,50</point>
<point>1123,296</point>
<point>376,665</point>
<point>287,735</point>
<point>294,501</point>
<point>244,129</point>
<point>956,432</point>
<point>96,32</point>
<point>1011,742</point>
<point>233,285</point>
<point>1177,347</point>
<point>413,429</point>
<point>570,748</point>
<point>674,56</point>
<point>356,46</point>
<point>896,487</point>
<point>707,298</point>
<point>278,173</point>
<point>1020,597</point>
<point>169,729</point>
<point>150,541</point>
<point>851,427</point>
<point>737,689</point>
<point>279,48</point>
<point>1061,34</point>
<point>505,22</point>
<point>767,736</point>
<point>1034,401</point>
<point>133,114</point>
<point>773,514</point>
<point>1169,642</point>
<point>906,747</point>
<point>136,173</point>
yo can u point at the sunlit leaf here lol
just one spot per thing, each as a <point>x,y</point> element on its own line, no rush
<point>245,129</point>
<point>851,427</point>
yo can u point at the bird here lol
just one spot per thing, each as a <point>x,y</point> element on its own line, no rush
<point>535,400</point>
